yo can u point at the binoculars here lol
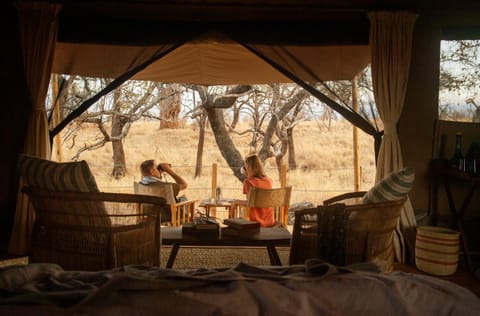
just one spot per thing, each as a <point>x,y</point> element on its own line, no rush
<point>159,166</point>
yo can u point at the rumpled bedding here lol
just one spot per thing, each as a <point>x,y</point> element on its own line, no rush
<point>314,288</point>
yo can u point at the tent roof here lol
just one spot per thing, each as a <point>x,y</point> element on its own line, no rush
<point>210,62</point>
<point>97,37</point>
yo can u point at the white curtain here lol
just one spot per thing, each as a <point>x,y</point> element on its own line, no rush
<point>38,24</point>
<point>391,44</point>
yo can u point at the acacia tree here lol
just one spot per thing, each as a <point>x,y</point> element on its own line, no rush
<point>265,106</point>
<point>113,114</point>
<point>275,110</point>
<point>459,73</point>
<point>170,106</point>
<point>214,103</point>
<point>197,112</point>
<point>285,100</point>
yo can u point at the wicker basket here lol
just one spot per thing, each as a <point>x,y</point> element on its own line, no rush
<point>436,250</point>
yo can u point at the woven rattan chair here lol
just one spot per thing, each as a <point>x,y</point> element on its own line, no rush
<point>346,198</point>
<point>180,212</point>
<point>277,198</point>
<point>80,228</point>
<point>345,234</point>
<point>94,230</point>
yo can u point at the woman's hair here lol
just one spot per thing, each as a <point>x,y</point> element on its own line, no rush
<point>146,166</point>
<point>256,166</point>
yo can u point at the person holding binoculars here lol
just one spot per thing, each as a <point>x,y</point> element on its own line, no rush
<point>153,172</point>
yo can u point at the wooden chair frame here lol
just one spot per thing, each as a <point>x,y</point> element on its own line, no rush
<point>181,212</point>
<point>277,198</point>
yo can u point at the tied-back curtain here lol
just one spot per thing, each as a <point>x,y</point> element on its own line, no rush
<point>38,24</point>
<point>391,44</point>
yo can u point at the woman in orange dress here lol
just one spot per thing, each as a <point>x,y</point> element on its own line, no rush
<point>256,177</point>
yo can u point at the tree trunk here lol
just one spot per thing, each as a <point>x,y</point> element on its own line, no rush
<point>292,163</point>
<point>476,116</point>
<point>228,150</point>
<point>118,122</point>
<point>170,106</point>
<point>236,117</point>
<point>201,141</point>
<point>119,164</point>
<point>265,151</point>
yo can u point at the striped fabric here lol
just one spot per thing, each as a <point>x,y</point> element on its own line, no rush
<point>57,176</point>
<point>393,187</point>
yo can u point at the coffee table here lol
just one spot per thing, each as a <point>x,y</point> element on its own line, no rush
<point>267,237</point>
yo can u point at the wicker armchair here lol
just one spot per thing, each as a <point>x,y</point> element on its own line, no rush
<point>80,228</point>
<point>94,230</point>
<point>347,198</point>
<point>345,234</point>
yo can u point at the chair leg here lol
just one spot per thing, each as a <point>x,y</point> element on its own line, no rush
<point>174,212</point>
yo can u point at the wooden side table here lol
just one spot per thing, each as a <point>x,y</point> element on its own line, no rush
<point>442,173</point>
<point>211,205</point>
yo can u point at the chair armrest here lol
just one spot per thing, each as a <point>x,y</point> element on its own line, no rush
<point>189,202</point>
<point>97,210</point>
<point>96,196</point>
<point>344,196</point>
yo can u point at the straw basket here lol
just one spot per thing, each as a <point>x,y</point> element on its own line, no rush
<point>436,250</point>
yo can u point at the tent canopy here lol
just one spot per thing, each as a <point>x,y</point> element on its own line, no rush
<point>213,59</point>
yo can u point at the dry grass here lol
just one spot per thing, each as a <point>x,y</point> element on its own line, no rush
<point>324,156</point>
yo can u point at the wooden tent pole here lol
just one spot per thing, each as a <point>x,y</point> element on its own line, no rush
<point>356,153</point>
<point>56,118</point>
<point>214,180</point>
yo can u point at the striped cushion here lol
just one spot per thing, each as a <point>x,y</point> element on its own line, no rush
<point>57,176</point>
<point>395,186</point>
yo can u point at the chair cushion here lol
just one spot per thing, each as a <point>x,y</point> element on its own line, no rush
<point>57,176</point>
<point>395,186</point>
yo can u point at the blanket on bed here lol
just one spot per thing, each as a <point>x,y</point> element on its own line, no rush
<point>315,288</point>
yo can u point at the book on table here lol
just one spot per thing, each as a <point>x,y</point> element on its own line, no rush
<point>230,231</point>
<point>201,225</point>
<point>242,224</point>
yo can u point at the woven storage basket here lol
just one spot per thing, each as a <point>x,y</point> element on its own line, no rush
<point>436,250</point>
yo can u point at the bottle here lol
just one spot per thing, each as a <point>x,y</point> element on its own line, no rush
<point>218,193</point>
<point>458,161</point>
<point>473,159</point>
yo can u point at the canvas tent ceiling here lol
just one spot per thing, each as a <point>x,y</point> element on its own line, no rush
<point>214,59</point>
<point>332,31</point>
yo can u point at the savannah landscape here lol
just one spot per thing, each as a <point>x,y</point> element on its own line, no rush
<point>324,155</point>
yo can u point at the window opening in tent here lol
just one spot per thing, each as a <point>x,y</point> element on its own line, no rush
<point>459,83</point>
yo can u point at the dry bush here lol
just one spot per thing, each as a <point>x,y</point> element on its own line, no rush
<point>324,157</point>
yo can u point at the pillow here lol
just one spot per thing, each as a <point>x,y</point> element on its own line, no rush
<point>57,176</point>
<point>395,186</point>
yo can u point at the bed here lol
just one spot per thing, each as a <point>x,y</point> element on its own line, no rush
<point>313,288</point>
